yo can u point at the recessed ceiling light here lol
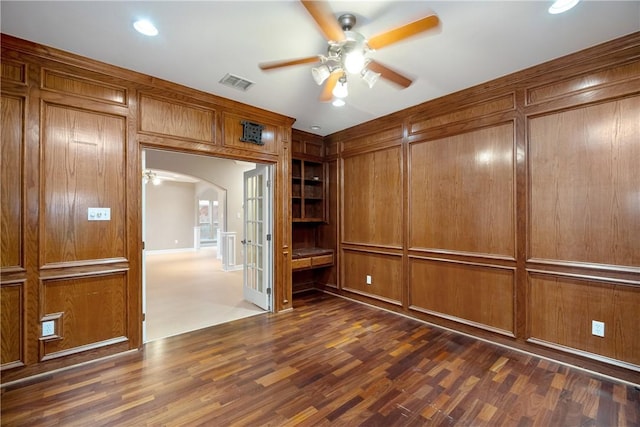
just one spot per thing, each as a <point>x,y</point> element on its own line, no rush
<point>338,102</point>
<point>560,6</point>
<point>145,27</point>
<point>315,127</point>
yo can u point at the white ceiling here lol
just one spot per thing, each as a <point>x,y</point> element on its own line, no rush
<point>201,41</point>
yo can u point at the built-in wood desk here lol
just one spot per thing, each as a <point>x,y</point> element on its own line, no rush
<point>306,258</point>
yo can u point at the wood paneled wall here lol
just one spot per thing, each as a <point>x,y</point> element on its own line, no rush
<point>475,176</point>
<point>12,134</point>
<point>72,133</point>
<point>584,184</point>
<point>372,214</point>
<point>508,210</point>
<point>82,152</point>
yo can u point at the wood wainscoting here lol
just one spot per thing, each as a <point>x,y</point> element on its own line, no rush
<point>508,210</point>
<point>328,362</point>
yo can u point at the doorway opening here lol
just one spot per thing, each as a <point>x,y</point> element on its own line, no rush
<point>195,271</point>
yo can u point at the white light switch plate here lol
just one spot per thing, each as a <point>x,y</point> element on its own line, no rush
<point>99,214</point>
<point>597,328</point>
<point>48,328</point>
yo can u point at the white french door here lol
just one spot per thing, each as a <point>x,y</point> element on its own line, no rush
<point>143,193</point>
<point>258,245</point>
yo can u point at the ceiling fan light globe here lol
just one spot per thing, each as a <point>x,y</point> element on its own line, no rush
<point>354,61</point>
<point>320,73</point>
<point>340,90</point>
<point>353,51</point>
<point>338,102</point>
<point>370,77</point>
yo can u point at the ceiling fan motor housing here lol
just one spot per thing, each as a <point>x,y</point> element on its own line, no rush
<point>347,21</point>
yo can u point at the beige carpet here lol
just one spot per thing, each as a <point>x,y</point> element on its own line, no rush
<point>189,290</point>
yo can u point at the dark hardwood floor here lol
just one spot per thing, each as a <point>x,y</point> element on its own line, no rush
<point>328,362</point>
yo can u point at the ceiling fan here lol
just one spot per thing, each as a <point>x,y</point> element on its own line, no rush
<point>349,51</point>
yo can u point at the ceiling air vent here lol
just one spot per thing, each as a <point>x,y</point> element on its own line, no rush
<point>236,82</point>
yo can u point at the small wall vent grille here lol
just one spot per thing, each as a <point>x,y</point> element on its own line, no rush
<point>236,82</point>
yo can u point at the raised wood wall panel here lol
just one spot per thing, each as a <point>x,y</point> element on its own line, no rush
<point>584,178</point>
<point>482,109</point>
<point>392,136</point>
<point>13,71</point>
<point>583,82</point>
<point>331,148</point>
<point>84,165</point>
<point>373,209</point>
<point>305,144</point>
<point>333,183</point>
<point>11,324</point>
<point>233,130</point>
<point>462,191</point>
<point>385,271</point>
<point>283,286</point>
<point>313,149</point>
<point>84,87</point>
<point>176,119</point>
<point>328,232</point>
<point>11,182</point>
<point>560,301</point>
<point>94,310</point>
<point>480,294</point>
<point>297,146</point>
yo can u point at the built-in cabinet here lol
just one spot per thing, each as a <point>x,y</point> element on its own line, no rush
<point>307,191</point>
<point>308,211</point>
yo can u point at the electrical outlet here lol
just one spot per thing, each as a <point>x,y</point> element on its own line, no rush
<point>368,279</point>
<point>597,328</point>
<point>48,328</point>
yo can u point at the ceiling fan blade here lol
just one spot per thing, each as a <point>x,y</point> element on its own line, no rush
<point>330,84</point>
<point>322,14</point>
<point>401,33</point>
<point>289,62</point>
<point>389,74</point>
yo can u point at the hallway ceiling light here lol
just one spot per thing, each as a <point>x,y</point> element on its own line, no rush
<point>150,176</point>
